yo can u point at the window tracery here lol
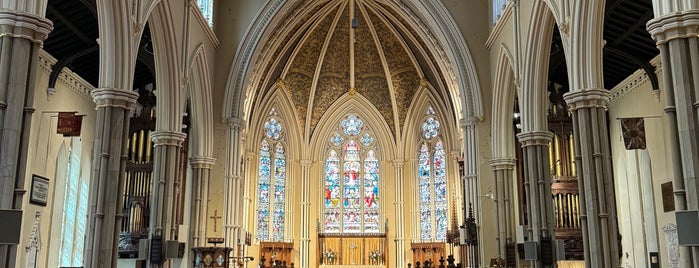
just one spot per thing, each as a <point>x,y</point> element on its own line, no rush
<point>432,182</point>
<point>271,190</point>
<point>352,203</point>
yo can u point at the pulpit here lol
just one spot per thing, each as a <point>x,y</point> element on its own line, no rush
<point>352,250</point>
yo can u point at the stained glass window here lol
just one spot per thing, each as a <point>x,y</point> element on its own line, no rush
<point>74,212</point>
<point>432,182</point>
<point>271,185</point>
<point>352,203</point>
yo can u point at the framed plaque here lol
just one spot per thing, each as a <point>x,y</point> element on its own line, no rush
<point>668,197</point>
<point>39,193</point>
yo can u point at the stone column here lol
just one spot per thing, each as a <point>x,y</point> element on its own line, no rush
<point>233,184</point>
<point>162,225</point>
<point>21,36</point>
<point>471,187</point>
<point>201,174</point>
<point>676,34</point>
<point>398,165</point>
<point>537,185</point>
<point>503,169</point>
<point>593,163</point>
<point>305,213</point>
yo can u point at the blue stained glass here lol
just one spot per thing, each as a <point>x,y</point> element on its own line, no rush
<point>371,193</point>
<point>351,189</point>
<point>424,192</point>
<point>337,139</point>
<point>273,129</point>
<point>352,125</point>
<point>279,192</point>
<point>367,139</point>
<point>332,193</point>
<point>430,128</point>
<point>440,193</point>
<point>263,192</point>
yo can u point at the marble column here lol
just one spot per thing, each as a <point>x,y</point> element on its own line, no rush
<point>503,169</point>
<point>537,185</point>
<point>201,175</point>
<point>304,248</point>
<point>676,34</point>
<point>166,158</point>
<point>233,186</point>
<point>398,165</point>
<point>593,163</point>
<point>21,36</point>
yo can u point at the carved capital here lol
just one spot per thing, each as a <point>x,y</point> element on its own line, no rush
<point>587,98</point>
<point>535,138</point>
<point>114,97</point>
<point>683,24</point>
<point>502,163</point>
<point>202,162</point>
<point>172,138</point>
<point>469,121</point>
<point>29,26</point>
<point>235,123</point>
<point>306,163</point>
<point>398,163</point>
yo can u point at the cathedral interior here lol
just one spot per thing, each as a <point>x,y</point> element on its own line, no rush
<point>349,133</point>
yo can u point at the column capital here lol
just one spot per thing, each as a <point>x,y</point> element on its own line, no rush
<point>469,121</point>
<point>114,97</point>
<point>399,163</point>
<point>234,122</point>
<point>676,25</point>
<point>502,163</point>
<point>535,138</point>
<point>29,26</point>
<point>202,162</point>
<point>305,163</point>
<point>165,137</point>
<point>587,98</point>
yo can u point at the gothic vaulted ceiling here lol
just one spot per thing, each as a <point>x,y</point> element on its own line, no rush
<point>363,47</point>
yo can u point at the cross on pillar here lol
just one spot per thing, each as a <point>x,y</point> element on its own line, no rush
<point>215,217</point>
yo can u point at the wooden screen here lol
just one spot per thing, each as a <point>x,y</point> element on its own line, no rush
<point>428,252</point>
<point>271,252</point>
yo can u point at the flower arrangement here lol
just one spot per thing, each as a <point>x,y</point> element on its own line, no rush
<point>329,257</point>
<point>375,257</point>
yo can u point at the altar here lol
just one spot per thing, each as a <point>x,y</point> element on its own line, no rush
<point>352,250</point>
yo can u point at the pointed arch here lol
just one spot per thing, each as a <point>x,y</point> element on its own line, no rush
<point>360,106</point>
<point>533,101</point>
<point>424,98</point>
<point>504,95</point>
<point>201,135</point>
<point>281,102</point>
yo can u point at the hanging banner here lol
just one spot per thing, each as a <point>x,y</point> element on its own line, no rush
<point>634,133</point>
<point>69,124</point>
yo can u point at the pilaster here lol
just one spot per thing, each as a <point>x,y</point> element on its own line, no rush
<point>676,34</point>
<point>398,165</point>
<point>471,187</point>
<point>593,163</point>
<point>21,36</point>
<point>305,212</point>
<point>233,186</point>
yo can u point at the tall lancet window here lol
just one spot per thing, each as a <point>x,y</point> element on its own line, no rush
<point>271,187</point>
<point>207,10</point>
<point>74,212</point>
<point>432,181</point>
<point>352,180</point>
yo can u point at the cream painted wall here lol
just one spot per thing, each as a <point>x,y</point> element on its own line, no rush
<point>43,152</point>
<point>639,101</point>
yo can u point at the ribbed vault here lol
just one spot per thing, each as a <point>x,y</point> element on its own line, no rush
<point>357,47</point>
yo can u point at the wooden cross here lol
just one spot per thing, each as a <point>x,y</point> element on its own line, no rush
<point>215,217</point>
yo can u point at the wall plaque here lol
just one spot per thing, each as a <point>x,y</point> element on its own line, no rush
<point>668,197</point>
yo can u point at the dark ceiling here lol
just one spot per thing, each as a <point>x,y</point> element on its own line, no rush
<point>628,47</point>
<point>73,42</point>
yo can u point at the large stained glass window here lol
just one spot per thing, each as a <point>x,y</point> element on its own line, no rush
<point>74,223</point>
<point>352,180</point>
<point>432,182</point>
<point>271,182</point>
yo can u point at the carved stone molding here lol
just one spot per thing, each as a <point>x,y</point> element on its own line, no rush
<point>202,162</point>
<point>114,97</point>
<point>683,24</point>
<point>535,138</point>
<point>587,98</point>
<point>502,163</point>
<point>173,138</point>
<point>24,25</point>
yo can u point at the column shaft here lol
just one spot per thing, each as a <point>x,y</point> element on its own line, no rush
<point>593,161</point>
<point>400,210</point>
<point>21,36</point>
<point>305,213</point>
<point>163,225</point>
<point>503,168</point>
<point>233,190</point>
<point>471,189</point>
<point>201,172</point>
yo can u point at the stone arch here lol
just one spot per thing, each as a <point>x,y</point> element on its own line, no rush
<point>425,97</point>
<point>201,135</point>
<point>281,102</point>
<point>504,92</point>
